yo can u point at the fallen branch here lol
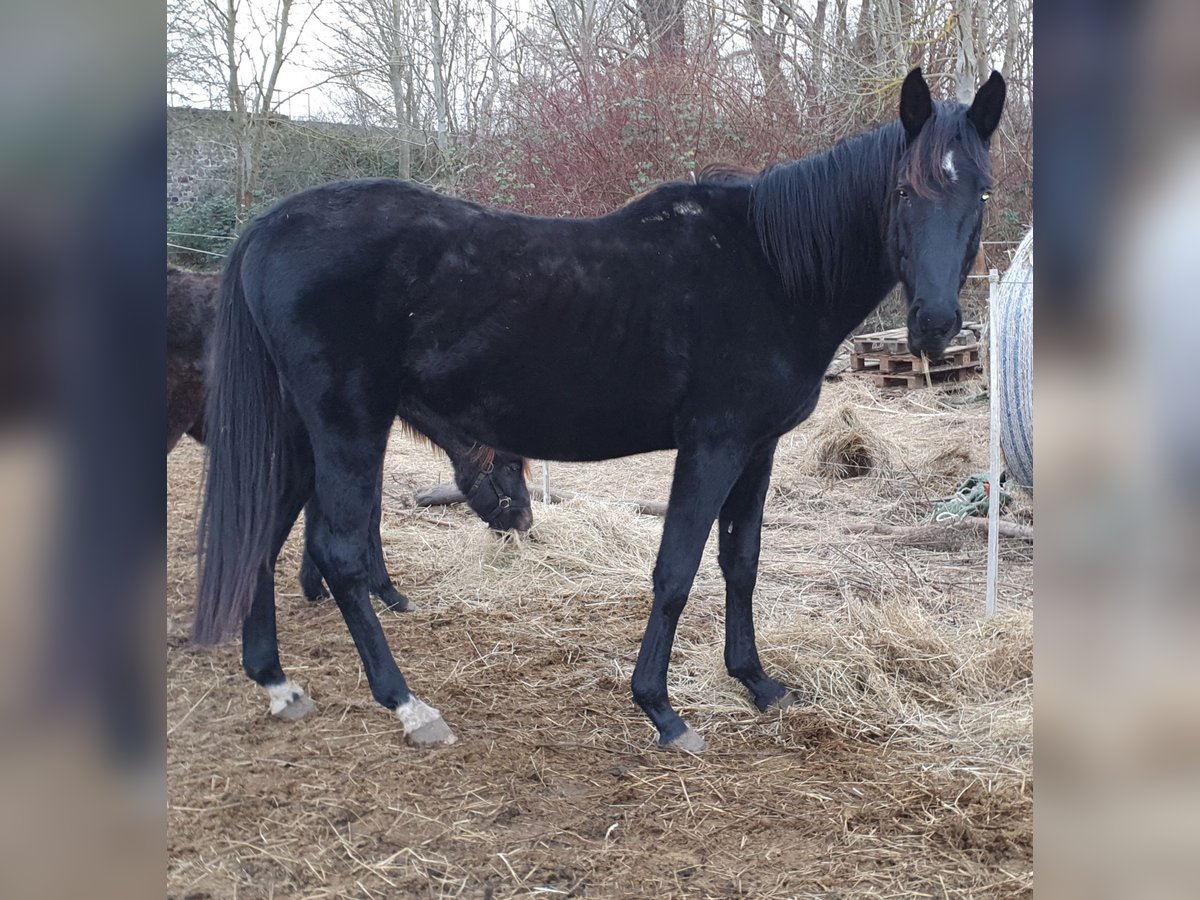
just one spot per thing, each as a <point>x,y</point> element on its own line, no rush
<point>974,523</point>
<point>645,507</point>
<point>439,495</point>
<point>446,494</point>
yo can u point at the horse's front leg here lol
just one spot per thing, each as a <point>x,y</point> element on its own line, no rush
<point>740,533</point>
<point>703,477</point>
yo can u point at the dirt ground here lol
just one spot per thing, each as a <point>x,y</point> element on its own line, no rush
<point>906,771</point>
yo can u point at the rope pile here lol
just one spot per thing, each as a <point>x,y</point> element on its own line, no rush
<point>971,499</point>
<point>1014,338</point>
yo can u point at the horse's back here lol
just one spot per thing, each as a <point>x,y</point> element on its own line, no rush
<point>552,338</point>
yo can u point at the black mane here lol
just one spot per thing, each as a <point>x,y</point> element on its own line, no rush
<point>803,210</point>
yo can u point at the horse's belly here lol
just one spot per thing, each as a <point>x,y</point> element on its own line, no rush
<point>538,426</point>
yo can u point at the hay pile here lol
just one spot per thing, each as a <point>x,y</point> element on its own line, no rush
<point>906,771</point>
<point>845,448</point>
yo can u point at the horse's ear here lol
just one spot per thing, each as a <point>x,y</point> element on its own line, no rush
<point>916,106</point>
<point>987,106</point>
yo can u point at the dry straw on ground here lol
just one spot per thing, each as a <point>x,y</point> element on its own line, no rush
<point>906,771</point>
<point>845,448</point>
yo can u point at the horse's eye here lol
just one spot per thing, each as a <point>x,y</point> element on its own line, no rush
<point>903,192</point>
<point>986,196</point>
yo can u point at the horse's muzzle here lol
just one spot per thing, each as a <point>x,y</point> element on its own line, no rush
<point>931,327</point>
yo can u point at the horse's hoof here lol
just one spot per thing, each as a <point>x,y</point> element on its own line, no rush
<point>776,696</point>
<point>397,602</point>
<point>296,709</point>
<point>318,596</point>
<point>786,699</point>
<point>689,742</point>
<point>432,734</point>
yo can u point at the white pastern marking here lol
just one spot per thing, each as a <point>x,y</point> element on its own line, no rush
<point>282,694</point>
<point>688,208</point>
<point>415,713</point>
<point>948,165</point>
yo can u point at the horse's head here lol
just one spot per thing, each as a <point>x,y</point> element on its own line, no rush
<point>943,182</point>
<point>494,485</point>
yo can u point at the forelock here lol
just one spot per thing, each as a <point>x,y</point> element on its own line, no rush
<point>945,149</point>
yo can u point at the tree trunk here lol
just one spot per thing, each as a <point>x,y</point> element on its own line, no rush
<point>864,44</point>
<point>251,125</point>
<point>440,103</point>
<point>967,65</point>
<point>664,26</point>
<point>818,77</point>
<point>818,43</point>
<point>1010,39</point>
<point>489,104</point>
<point>243,189</point>
<point>770,64</point>
<point>983,42</point>
<point>396,72</point>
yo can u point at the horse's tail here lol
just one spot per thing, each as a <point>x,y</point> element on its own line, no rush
<point>244,431</point>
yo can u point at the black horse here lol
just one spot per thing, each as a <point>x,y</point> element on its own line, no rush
<point>494,484</point>
<point>701,317</point>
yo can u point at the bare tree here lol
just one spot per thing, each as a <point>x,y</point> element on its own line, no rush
<point>769,59</point>
<point>237,50</point>
<point>372,52</point>
<point>441,101</point>
<point>967,68</point>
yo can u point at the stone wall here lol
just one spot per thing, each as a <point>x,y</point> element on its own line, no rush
<point>200,155</point>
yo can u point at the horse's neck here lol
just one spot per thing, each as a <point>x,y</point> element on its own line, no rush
<point>858,298</point>
<point>864,276</point>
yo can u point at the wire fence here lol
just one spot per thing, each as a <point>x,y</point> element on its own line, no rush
<point>174,246</point>
<point>211,237</point>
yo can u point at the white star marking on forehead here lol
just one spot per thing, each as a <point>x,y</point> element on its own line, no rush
<point>948,165</point>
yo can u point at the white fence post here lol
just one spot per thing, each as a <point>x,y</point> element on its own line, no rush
<point>994,475</point>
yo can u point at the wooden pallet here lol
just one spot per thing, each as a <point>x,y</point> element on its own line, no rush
<point>911,380</point>
<point>955,358</point>
<point>885,358</point>
<point>894,341</point>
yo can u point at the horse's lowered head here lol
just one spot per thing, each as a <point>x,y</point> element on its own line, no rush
<point>936,208</point>
<point>494,485</point>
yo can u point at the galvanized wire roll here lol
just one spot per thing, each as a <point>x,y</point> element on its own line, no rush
<point>1014,334</point>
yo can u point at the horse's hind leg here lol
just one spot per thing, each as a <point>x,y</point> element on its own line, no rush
<point>380,580</point>
<point>739,539</point>
<point>260,644</point>
<point>312,583</point>
<point>347,471</point>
